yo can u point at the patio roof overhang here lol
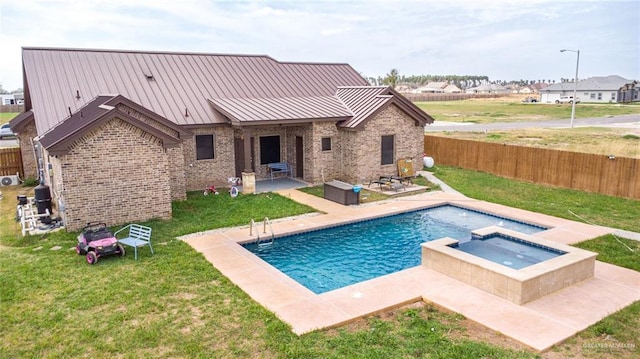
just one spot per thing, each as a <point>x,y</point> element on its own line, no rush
<point>281,111</point>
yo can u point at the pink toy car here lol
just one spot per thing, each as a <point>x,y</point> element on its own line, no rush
<point>96,240</point>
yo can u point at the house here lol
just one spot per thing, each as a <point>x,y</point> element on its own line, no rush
<point>118,135</point>
<point>8,99</point>
<point>438,87</point>
<point>607,89</point>
<point>488,89</point>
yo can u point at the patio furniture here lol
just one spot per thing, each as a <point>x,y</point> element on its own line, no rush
<point>393,182</point>
<point>279,167</point>
<point>137,236</point>
<point>342,192</point>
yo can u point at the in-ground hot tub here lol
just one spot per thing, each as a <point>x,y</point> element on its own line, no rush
<point>544,266</point>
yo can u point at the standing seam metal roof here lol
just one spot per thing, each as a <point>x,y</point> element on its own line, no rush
<point>57,139</point>
<point>287,108</point>
<point>169,84</point>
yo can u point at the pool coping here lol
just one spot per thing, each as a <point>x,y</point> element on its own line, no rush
<point>539,324</point>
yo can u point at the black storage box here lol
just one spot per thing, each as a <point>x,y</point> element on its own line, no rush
<point>342,192</point>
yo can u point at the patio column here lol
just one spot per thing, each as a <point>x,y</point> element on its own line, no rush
<point>248,176</point>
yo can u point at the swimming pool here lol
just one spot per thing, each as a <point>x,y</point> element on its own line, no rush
<point>327,259</point>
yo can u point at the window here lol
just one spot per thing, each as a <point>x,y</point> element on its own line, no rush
<point>593,96</point>
<point>326,143</point>
<point>204,147</point>
<point>269,149</point>
<point>599,95</point>
<point>613,96</point>
<point>387,150</point>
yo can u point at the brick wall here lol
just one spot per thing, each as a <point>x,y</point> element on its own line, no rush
<point>176,158</point>
<point>362,149</point>
<point>115,174</point>
<point>200,174</point>
<point>25,135</point>
<point>326,164</point>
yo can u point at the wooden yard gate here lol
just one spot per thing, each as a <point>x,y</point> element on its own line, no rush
<point>10,161</point>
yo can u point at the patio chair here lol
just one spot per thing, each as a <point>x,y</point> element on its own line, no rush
<point>137,236</point>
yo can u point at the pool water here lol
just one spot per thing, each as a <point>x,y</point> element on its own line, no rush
<point>508,251</point>
<point>336,257</point>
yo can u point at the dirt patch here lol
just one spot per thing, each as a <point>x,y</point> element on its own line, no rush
<point>462,328</point>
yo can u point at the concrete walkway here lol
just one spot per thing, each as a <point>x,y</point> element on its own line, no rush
<point>539,324</point>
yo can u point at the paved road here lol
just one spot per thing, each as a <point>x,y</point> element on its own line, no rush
<point>626,121</point>
<point>8,142</point>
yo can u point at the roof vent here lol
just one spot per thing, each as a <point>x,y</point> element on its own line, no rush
<point>149,76</point>
<point>78,94</point>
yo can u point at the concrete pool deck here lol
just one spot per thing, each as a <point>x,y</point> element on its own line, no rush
<point>539,324</point>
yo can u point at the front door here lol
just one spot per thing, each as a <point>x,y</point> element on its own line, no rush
<point>299,157</point>
<point>238,145</point>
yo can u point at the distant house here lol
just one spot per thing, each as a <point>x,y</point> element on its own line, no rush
<point>539,86</point>
<point>8,99</point>
<point>488,89</point>
<point>611,88</point>
<point>438,87</point>
<point>118,135</point>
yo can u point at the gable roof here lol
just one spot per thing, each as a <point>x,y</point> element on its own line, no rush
<point>58,139</point>
<point>17,122</point>
<point>596,83</point>
<point>176,86</point>
<point>367,101</point>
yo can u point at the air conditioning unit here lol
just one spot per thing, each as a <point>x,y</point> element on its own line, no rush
<point>9,180</point>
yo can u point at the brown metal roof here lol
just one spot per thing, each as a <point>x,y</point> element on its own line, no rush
<point>363,101</point>
<point>102,108</point>
<point>367,101</point>
<point>19,120</point>
<point>169,84</point>
<point>255,110</point>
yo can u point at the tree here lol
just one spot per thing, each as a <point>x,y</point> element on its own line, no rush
<point>2,90</point>
<point>392,78</point>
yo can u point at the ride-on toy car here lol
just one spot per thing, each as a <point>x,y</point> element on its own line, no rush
<point>96,240</point>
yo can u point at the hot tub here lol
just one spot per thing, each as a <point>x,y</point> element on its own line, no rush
<point>494,270</point>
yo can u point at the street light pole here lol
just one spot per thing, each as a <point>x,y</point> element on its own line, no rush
<point>575,85</point>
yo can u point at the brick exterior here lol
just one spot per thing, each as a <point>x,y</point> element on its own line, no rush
<point>199,174</point>
<point>176,163</point>
<point>29,165</point>
<point>114,174</point>
<point>362,149</point>
<point>117,173</point>
<point>325,165</point>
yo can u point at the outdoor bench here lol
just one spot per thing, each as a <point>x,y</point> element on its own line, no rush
<point>279,167</point>
<point>137,236</point>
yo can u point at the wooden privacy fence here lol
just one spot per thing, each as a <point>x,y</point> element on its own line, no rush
<point>10,161</point>
<point>619,176</point>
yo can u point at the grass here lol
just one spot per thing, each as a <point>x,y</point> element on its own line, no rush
<point>6,116</point>
<point>612,249</point>
<point>597,140</point>
<point>559,202</point>
<point>510,109</point>
<point>602,141</point>
<point>176,305</point>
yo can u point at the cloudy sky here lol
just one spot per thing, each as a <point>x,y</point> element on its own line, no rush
<point>505,40</point>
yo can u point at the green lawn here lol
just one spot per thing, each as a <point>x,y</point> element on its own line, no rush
<point>510,110</point>
<point>175,304</point>
<point>6,116</point>
<point>564,203</point>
